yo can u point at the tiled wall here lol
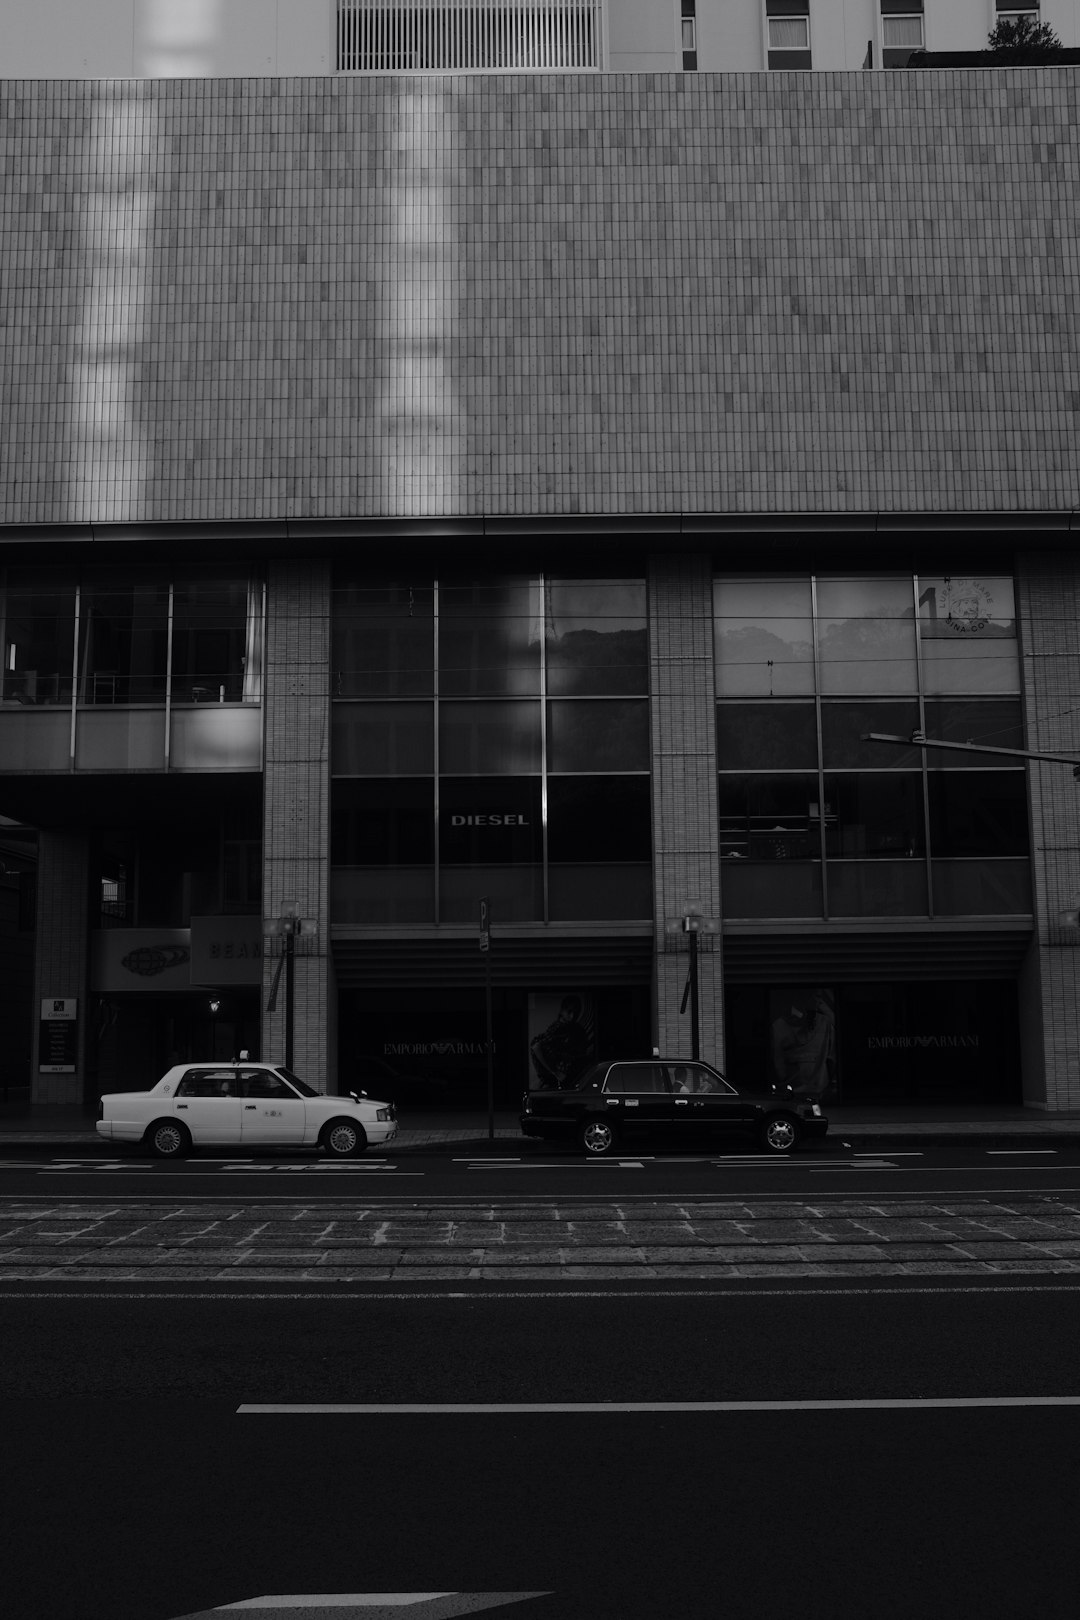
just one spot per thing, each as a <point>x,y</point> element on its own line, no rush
<point>458,295</point>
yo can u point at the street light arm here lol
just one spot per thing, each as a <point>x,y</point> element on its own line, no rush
<point>921,741</point>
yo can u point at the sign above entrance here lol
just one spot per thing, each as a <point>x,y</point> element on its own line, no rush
<point>226,950</point>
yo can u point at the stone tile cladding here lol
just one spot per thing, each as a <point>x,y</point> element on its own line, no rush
<point>775,292</point>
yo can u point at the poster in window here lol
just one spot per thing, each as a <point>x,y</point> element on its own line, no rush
<point>802,1042</point>
<point>562,1038</point>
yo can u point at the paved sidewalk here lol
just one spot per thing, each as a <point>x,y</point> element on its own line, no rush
<point>95,1240</point>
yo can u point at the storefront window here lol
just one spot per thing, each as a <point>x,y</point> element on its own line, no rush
<point>766,736</point>
<point>383,739</point>
<point>769,818</point>
<point>978,813</point>
<point>489,638</point>
<point>967,628</point>
<point>764,639</point>
<point>599,819</point>
<point>870,815</point>
<point>844,729</point>
<point>997,722</point>
<point>216,642</point>
<point>609,735</point>
<point>489,739</point>
<point>123,642</point>
<point>596,637</point>
<point>384,640</point>
<point>38,639</point>
<point>382,823</point>
<point>866,635</point>
<point>489,821</point>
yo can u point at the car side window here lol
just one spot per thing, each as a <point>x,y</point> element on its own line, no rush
<point>209,1083</point>
<point>264,1084</point>
<point>630,1079</point>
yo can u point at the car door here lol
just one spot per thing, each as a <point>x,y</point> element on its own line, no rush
<point>638,1097</point>
<point>207,1101</point>
<point>705,1104</point>
<point>272,1115</point>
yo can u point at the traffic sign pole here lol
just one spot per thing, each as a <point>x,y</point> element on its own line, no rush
<point>485,946</point>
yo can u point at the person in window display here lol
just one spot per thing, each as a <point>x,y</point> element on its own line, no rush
<point>562,1052</point>
<point>804,1048</point>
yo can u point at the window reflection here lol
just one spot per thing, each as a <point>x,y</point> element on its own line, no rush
<point>866,635</point>
<point>764,639</point>
<point>489,738</point>
<point>38,639</point>
<point>604,736</point>
<point>123,643</point>
<point>384,640</point>
<point>871,815</point>
<point>489,638</point>
<point>967,627</point>
<point>769,818</point>
<point>217,642</point>
<point>596,636</point>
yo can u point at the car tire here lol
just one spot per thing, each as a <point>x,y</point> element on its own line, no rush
<point>780,1133</point>
<point>598,1136</point>
<point>168,1139</point>
<point>343,1138</point>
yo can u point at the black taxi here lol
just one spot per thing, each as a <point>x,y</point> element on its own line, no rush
<point>669,1100</point>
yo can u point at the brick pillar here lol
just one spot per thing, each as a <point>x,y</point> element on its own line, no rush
<point>1049,608</point>
<point>685,834</point>
<point>61,953</point>
<point>296,812</point>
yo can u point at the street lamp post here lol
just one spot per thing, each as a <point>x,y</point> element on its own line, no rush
<point>290,926</point>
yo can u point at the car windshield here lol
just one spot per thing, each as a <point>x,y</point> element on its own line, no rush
<point>301,1085</point>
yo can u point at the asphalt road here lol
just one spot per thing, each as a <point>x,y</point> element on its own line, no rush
<point>502,1170</point>
<point>138,1488</point>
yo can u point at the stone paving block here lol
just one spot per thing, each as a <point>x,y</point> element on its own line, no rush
<point>366,1259</point>
<point>439,1257</point>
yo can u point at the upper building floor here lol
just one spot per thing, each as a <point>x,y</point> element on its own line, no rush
<point>269,38</point>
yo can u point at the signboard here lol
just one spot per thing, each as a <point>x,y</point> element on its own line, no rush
<point>58,1038</point>
<point>226,950</point>
<point>147,960</point>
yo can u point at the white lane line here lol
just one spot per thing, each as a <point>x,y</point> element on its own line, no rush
<point>1001,1152</point>
<point>494,1408</point>
<point>894,1153</point>
<point>741,1288</point>
<point>600,1164</point>
<point>334,1600</point>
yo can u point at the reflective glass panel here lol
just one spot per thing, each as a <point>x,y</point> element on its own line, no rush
<point>771,889</point>
<point>878,888</point>
<point>599,818</point>
<point>383,739</point>
<point>764,638</point>
<point>978,813</point>
<point>217,642</point>
<point>38,619</point>
<point>610,735</point>
<point>967,630</point>
<point>989,888</point>
<point>845,725</point>
<point>996,722</point>
<point>489,739</point>
<point>596,636</point>
<point>769,818</point>
<point>489,821</point>
<point>595,892</point>
<point>766,736</point>
<point>382,823</point>
<point>489,638</point>
<point>866,635</point>
<point>123,642</point>
<point>384,640</point>
<point>871,815</point>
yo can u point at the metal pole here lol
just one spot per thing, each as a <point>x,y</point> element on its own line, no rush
<point>695,1048</point>
<point>289,937</point>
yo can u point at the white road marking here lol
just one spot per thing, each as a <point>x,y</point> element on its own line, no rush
<point>1001,1151</point>
<point>334,1600</point>
<point>495,1408</point>
<point>741,1288</point>
<point>861,1164</point>
<point>586,1164</point>
<point>894,1153</point>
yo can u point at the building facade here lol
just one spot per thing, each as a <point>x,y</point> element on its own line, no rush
<point>546,489</point>
<point>44,39</point>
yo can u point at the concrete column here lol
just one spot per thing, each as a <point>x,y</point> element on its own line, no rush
<point>685,834</point>
<point>61,953</point>
<point>1048,607</point>
<point>296,813</point>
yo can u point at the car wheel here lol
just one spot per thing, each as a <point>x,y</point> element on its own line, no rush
<point>780,1133</point>
<point>168,1139</point>
<point>343,1138</point>
<point>597,1137</point>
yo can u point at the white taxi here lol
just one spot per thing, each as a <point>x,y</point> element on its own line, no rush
<point>260,1105</point>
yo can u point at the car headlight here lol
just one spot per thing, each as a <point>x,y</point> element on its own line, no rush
<point>383,1113</point>
<point>816,1110</point>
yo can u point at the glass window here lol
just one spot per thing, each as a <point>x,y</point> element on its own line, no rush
<point>878,888</point>
<point>866,635</point>
<point>596,636</point>
<point>869,815</point>
<point>967,631</point>
<point>599,818</point>
<point>978,813</point>
<point>998,723</point>
<point>629,1079</point>
<point>380,823</point>
<point>766,736</point>
<point>844,725</point>
<point>217,642</point>
<point>123,642</point>
<point>982,888</point>
<point>489,638</point>
<point>489,821</point>
<point>489,739</point>
<point>789,33</point>
<point>384,640</point>
<point>38,637</point>
<point>764,637</point>
<point>769,818</point>
<point>610,735</point>
<point>383,739</point>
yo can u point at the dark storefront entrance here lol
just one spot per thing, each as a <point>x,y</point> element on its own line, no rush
<point>135,1038</point>
<point>434,1040</point>
<point>914,1042</point>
